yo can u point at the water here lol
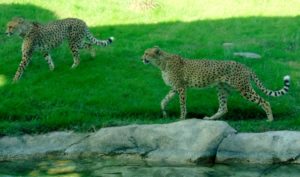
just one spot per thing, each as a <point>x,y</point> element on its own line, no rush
<point>119,168</point>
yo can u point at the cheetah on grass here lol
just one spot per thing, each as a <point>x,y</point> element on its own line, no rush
<point>180,73</point>
<point>39,37</point>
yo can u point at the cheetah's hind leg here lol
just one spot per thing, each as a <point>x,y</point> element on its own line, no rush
<point>76,59</point>
<point>252,96</point>
<point>222,97</point>
<point>90,48</point>
<point>49,60</point>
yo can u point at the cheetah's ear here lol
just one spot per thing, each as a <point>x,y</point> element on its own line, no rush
<point>157,50</point>
<point>19,19</point>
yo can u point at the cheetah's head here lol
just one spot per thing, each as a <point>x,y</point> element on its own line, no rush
<point>15,26</point>
<point>151,55</point>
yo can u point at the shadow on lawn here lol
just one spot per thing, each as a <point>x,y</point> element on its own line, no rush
<point>255,34</point>
<point>28,11</point>
<point>198,39</point>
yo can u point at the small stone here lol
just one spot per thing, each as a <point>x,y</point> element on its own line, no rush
<point>247,55</point>
<point>228,45</point>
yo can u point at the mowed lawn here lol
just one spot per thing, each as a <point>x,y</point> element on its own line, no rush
<point>116,88</point>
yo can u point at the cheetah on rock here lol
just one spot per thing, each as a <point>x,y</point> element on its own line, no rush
<point>44,37</point>
<point>180,74</point>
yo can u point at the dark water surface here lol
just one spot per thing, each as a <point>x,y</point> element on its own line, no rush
<point>119,168</point>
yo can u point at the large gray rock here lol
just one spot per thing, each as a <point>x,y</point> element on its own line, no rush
<point>184,142</point>
<point>268,147</point>
<point>37,145</point>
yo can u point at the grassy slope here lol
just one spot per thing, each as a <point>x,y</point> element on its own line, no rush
<point>115,88</point>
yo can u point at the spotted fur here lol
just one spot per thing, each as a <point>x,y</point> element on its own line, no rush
<point>180,74</point>
<point>39,37</point>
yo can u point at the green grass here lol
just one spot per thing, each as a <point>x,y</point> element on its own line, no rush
<point>115,88</point>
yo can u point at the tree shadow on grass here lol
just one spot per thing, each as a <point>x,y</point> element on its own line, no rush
<point>117,84</point>
<point>277,39</point>
<point>28,11</point>
<point>12,46</point>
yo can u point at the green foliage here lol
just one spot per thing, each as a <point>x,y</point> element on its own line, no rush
<point>115,88</point>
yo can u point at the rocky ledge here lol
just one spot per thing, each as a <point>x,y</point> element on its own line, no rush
<point>267,148</point>
<point>187,142</point>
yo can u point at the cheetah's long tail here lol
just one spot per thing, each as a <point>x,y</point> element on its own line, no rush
<point>283,91</point>
<point>96,41</point>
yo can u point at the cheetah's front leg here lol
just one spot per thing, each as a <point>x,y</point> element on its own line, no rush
<point>26,56</point>
<point>182,101</point>
<point>164,103</point>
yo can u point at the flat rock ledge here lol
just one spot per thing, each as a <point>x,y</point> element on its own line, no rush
<point>188,142</point>
<point>268,148</point>
<point>181,143</point>
<point>185,142</point>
